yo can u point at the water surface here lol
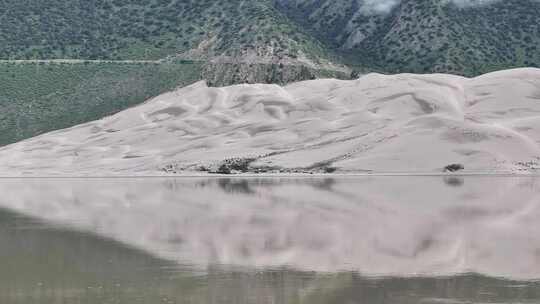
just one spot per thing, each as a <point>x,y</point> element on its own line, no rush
<point>380,240</point>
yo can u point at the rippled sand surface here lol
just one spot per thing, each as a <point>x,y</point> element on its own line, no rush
<point>378,123</point>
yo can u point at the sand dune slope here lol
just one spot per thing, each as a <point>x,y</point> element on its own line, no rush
<point>400,123</point>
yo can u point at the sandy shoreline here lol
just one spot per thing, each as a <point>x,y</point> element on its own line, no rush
<point>277,175</point>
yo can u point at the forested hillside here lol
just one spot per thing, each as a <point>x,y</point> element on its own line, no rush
<point>176,42</point>
<point>463,37</point>
<point>140,29</point>
<point>458,36</point>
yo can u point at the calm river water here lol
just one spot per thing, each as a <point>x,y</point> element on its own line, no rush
<point>343,240</point>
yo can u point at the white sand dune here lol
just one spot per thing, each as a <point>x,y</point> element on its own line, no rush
<point>375,225</point>
<point>400,123</point>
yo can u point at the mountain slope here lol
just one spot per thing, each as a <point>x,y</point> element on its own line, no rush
<point>223,42</point>
<point>452,36</point>
<point>402,123</point>
<point>427,35</point>
<point>238,41</point>
<point>39,98</point>
<point>134,29</point>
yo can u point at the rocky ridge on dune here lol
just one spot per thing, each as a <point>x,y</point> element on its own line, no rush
<point>404,123</point>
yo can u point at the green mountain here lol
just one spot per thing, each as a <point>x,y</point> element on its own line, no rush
<point>138,49</point>
<point>142,48</point>
<point>467,37</point>
<point>149,29</point>
<point>36,98</point>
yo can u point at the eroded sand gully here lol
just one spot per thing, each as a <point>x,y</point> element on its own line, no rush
<point>377,124</point>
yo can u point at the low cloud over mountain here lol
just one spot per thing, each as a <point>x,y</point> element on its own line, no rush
<point>385,6</point>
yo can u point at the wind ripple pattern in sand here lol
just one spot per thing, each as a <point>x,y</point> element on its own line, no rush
<point>402,123</point>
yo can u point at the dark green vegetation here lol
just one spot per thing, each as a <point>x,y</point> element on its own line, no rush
<point>36,98</point>
<point>426,35</point>
<point>253,41</point>
<point>234,41</point>
<point>40,97</point>
<point>145,29</point>
<point>414,36</point>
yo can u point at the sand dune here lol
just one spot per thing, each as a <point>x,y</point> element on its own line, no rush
<point>383,124</point>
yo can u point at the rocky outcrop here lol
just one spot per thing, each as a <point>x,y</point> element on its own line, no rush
<point>224,74</point>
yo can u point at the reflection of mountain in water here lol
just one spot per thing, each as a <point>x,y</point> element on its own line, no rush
<point>389,226</point>
<point>47,264</point>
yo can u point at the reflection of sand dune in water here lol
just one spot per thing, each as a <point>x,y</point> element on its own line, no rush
<point>378,226</point>
<point>378,123</point>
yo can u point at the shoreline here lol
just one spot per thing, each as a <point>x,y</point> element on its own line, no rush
<point>278,175</point>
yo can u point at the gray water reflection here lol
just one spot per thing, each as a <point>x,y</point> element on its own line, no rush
<point>374,240</point>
